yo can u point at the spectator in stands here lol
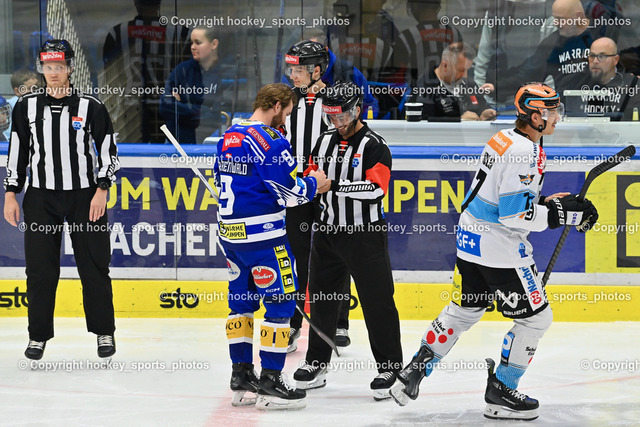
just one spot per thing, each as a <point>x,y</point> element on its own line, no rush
<point>191,100</point>
<point>418,49</point>
<point>606,17</point>
<point>342,70</point>
<point>5,119</point>
<point>447,93</point>
<point>23,81</point>
<point>561,55</point>
<point>618,91</point>
<point>139,55</point>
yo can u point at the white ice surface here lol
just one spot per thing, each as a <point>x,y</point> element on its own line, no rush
<point>199,394</point>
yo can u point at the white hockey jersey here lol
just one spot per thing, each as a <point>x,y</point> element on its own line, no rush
<point>501,207</point>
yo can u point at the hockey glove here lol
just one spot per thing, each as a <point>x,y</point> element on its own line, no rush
<point>569,210</point>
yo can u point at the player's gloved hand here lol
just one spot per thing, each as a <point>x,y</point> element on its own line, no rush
<point>569,210</point>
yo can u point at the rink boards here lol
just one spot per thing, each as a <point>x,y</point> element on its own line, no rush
<point>164,236</point>
<point>203,299</point>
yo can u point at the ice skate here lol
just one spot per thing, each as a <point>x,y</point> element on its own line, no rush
<point>275,394</point>
<point>310,376</point>
<point>381,385</point>
<point>293,340</point>
<point>244,380</point>
<point>408,382</point>
<point>106,346</point>
<point>342,337</point>
<point>504,403</point>
<point>35,349</point>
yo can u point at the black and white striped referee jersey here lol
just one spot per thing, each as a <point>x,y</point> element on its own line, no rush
<point>359,169</point>
<point>304,126</point>
<point>63,144</point>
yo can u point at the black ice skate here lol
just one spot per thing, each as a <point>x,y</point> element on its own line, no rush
<point>106,346</point>
<point>408,383</point>
<point>381,385</point>
<point>342,337</point>
<point>275,394</point>
<point>35,349</point>
<point>244,380</point>
<point>310,376</point>
<point>293,340</point>
<point>504,403</point>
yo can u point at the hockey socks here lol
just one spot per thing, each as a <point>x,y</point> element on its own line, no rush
<point>240,337</point>
<point>274,340</point>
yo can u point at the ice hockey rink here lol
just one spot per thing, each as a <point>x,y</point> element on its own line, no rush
<point>175,372</point>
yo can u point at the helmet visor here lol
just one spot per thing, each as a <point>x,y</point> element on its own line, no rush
<point>340,119</point>
<point>552,113</point>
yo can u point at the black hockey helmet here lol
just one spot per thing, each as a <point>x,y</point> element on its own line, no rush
<point>307,53</point>
<point>56,50</point>
<point>341,98</point>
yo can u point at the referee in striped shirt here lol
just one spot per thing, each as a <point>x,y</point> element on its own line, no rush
<point>64,141</point>
<point>350,237</point>
<point>306,63</point>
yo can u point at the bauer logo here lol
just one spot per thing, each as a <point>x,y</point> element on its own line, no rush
<point>178,299</point>
<point>52,56</point>
<point>290,59</point>
<point>263,276</point>
<point>15,299</point>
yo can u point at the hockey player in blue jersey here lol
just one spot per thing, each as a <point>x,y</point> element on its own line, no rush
<point>256,179</point>
<point>495,259</point>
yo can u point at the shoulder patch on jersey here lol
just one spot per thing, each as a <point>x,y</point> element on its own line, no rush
<point>272,133</point>
<point>259,139</point>
<point>500,143</point>
<point>232,139</point>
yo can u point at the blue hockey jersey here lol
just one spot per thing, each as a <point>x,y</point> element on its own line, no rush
<point>256,180</point>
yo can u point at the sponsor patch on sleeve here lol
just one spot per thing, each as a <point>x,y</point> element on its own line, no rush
<point>500,143</point>
<point>232,139</point>
<point>259,139</point>
<point>272,133</point>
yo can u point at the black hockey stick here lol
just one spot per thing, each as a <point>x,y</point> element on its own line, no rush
<point>321,334</point>
<point>598,170</point>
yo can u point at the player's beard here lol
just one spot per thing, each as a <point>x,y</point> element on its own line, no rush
<point>278,120</point>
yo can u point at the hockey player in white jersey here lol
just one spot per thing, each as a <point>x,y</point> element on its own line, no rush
<point>494,257</point>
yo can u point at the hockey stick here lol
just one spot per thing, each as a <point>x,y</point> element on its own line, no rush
<point>256,58</point>
<point>624,155</point>
<point>213,192</point>
<point>195,170</point>
<point>321,334</point>
<point>278,72</point>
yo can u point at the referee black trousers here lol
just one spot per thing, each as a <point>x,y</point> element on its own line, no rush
<point>364,256</point>
<point>44,215</point>
<point>299,225</point>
